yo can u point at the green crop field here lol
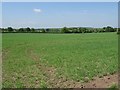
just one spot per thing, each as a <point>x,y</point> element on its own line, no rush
<point>33,59</point>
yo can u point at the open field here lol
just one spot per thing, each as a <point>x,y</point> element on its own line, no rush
<point>51,60</point>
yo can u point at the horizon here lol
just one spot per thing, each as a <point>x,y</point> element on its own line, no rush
<point>56,27</point>
<point>59,14</point>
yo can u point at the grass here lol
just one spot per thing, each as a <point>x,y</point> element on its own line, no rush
<point>113,87</point>
<point>75,56</point>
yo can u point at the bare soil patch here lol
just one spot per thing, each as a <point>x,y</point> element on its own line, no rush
<point>104,82</point>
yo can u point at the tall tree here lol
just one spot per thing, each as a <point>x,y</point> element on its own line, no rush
<point>64,30</point>
<point>28,29</point>
<point>10,29</point>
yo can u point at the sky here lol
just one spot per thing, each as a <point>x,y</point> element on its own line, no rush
<point>59,14</point>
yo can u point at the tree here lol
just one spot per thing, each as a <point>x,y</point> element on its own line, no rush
<point>95,30</point>
<point>101,29</point>
<point>118,30</point>
<point>27,29</point>
<point>43,30</point>
<point>115,29</point>
<point>32,30</point>
<point>104,27</point>
<point>108,29</point>
<point>64,30</point>
<point>10,29</point>
<point>83,30</point>
<point>75,30</point>
<point>3,30</point>
<point>80,31</point>
<point>47,30</point>
<point>0,30</point>
<point>21,30</point>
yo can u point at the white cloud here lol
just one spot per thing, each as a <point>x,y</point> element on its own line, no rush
<point>37,10</point>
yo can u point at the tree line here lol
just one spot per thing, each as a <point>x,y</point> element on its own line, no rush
<point>60,30</point>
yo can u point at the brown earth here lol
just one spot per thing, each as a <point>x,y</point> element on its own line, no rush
<point>63,82</point>
<point>104,82</point>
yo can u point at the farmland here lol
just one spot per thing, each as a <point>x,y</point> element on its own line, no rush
<point>42,60</point>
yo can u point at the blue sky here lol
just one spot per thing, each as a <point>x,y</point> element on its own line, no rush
<point>59,14</point>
